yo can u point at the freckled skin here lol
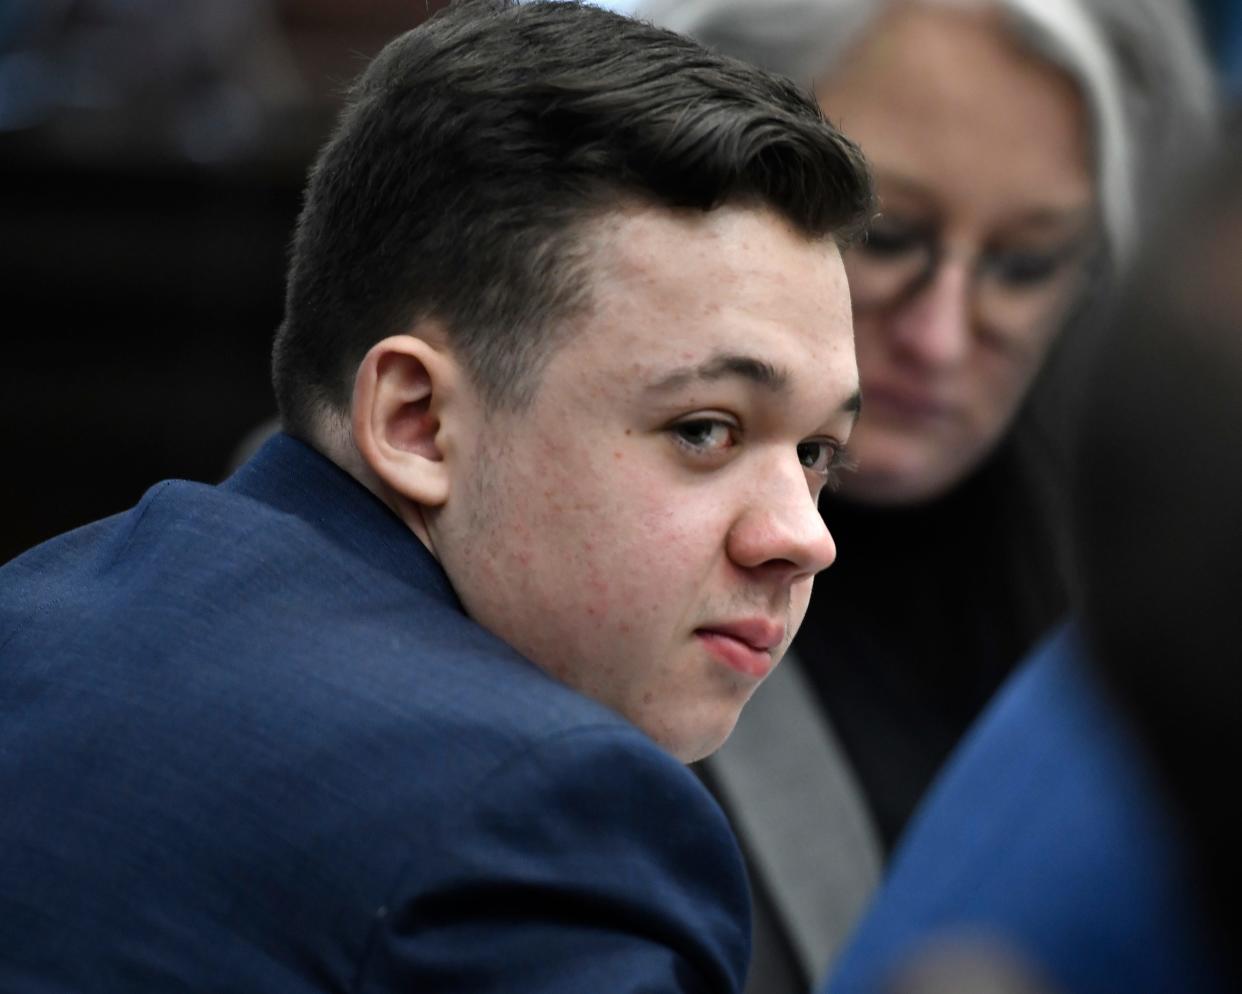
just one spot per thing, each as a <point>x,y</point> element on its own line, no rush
<point>586,535</point>
<point>962,126</point>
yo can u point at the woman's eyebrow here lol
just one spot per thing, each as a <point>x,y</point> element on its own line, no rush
<point>853,404</point>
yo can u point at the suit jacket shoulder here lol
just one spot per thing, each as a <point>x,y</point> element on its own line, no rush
<point>258,745</point>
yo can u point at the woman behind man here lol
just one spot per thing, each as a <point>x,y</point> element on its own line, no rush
<point>1015,146</point>
<point>1051,840</point>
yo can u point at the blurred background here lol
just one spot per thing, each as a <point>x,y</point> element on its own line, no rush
<point>152,154</point>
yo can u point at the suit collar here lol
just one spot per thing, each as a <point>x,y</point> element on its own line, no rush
<point>294,478</point>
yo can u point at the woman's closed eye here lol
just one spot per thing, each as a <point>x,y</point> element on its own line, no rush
<point>889,238</point>
<point>1024,267</point>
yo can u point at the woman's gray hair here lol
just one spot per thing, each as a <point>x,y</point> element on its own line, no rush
<point>1139,65</point>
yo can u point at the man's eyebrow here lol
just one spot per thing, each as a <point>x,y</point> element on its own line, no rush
<point>746,367</point>
<point>758,371</point>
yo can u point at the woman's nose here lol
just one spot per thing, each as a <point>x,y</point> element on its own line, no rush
<point>932,327</point>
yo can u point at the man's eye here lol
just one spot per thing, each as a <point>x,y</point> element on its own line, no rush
<point>705,434</point>
<point>818,456</point>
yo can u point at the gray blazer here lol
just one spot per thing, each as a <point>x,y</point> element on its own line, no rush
<point>813,855</point>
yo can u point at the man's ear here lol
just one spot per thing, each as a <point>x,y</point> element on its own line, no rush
<point>397,416</point>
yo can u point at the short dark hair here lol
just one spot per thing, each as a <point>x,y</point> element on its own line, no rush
<point>473,150</point>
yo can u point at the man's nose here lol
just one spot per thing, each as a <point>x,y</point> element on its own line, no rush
<point>932,328</point>
<point>780,532</point>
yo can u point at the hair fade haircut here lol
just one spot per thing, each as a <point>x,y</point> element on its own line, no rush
<point>472,155</point>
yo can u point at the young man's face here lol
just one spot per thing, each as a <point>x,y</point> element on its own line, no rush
<point>646,531</point>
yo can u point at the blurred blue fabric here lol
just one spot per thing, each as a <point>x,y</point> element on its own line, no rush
<point>1044,835</point>
<point>1222,29</point>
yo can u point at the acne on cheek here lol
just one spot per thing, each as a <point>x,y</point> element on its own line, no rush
<point>522,557</point>
<point>596,587</point>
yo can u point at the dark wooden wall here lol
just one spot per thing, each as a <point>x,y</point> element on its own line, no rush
<point>139,291</point>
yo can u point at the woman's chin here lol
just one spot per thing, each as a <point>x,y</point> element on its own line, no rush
<point>899,478</point>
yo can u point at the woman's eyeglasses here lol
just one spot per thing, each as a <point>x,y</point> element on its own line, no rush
<point>1015,289</point>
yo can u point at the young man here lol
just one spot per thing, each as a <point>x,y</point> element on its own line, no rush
<point>567,358</point>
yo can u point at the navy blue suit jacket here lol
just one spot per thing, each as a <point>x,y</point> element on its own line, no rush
<point>250,742</point>
<point>1044,834</point>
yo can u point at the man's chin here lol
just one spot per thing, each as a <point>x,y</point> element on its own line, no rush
<point>704,738</point>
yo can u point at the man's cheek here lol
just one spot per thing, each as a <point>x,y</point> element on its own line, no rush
<point>799,598</point>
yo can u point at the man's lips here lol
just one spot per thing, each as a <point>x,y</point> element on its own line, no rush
<point>745,645</point>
